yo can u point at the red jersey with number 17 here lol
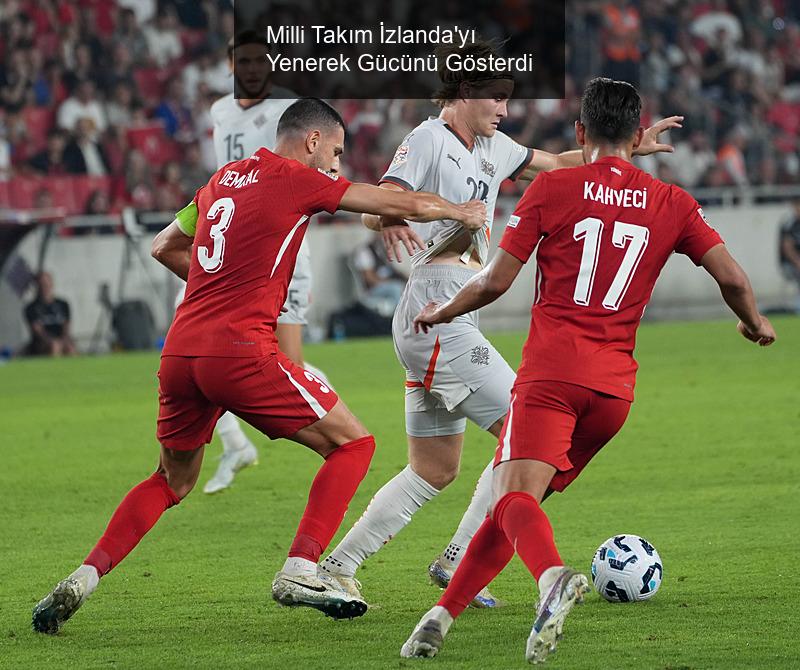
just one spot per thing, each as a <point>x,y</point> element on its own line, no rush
<point>606,231</point>
<point>251,218</point>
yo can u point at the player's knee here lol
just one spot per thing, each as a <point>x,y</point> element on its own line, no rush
<point>441,476</point>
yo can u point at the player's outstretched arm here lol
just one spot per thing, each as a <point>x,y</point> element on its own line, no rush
<point>173,249</point>
<point>394,231</point>
<point>544,161</point>
<point>481,289</point>
<point>738,294</point>
<point>415,206</point>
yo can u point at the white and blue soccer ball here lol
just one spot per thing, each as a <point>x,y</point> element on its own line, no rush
<point>626,568</point>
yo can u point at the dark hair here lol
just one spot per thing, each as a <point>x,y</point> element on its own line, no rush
<point>246,37</point>
<point>610,110</point>
<point>452,79</point>
<point>308,114</point>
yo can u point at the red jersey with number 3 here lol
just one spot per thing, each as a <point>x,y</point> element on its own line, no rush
<point>252,216</point>
<point>606,231</point>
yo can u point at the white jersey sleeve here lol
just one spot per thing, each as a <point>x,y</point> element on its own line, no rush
<point>512,157</point>
<point>413,161</point>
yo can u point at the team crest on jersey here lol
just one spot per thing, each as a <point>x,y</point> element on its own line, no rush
<point>513,221</point>
<point>488,167</point>
<point>330,175</point>
<point>401,155</point>
<point>259,121</point>
<point>480,355</point>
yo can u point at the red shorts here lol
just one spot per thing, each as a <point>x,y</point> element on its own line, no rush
<point>558,423</point>
<point>270,392</point>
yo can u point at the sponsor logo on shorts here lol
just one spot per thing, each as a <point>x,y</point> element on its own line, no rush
<point>480,355</point>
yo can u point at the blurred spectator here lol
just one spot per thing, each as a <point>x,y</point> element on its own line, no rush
<point>790,243</point>
<point>169,195</point>
<point>48,320</point>
<point>692,159</point>
<point>174,112</point>
<point>83,104</point>
<point>83,155</point>
<point>98,203</point>
<point>622,33</point>
<point>50,160</point>
<point>139,181</point>
<point>16,81</point>
<point>119,107</point>
<point>194,173</point>
<point>205,70</point>
<point>129,33</point>
<point>731,158</point>
<point>380,284</point>
<point>163,42</point>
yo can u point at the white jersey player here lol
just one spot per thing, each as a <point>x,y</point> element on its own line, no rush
<point>453,373</point>
<point>241,127</point>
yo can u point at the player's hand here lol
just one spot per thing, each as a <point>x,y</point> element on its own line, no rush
<point>764,335</point>
<point>403,235</point>
<point>650,143</point>
<point>473,216</point>
<point>428,317</point>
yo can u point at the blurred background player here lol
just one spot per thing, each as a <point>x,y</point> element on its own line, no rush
<point>453,374</point>
<point>222,351</point>
<point>241,127</point>
<point>606,230</point>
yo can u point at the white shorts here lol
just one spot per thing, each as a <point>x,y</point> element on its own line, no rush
<point>298,296</point>
<point>453,373</point>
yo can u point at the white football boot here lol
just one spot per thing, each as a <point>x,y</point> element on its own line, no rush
<point>440,575</point>
<point>229,464</point>
<point>568,590</point>
<point>64,600</point>
<point>322,592</point>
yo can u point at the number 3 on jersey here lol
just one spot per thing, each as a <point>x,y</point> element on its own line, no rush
<point>590,230</point>
<point>224,208</point>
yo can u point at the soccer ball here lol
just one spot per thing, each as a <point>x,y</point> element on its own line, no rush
<point>626,568</point>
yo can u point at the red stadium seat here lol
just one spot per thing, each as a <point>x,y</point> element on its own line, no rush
<point>38,121</point>
<point>84,187</point>
<point>62,190</point>
<point>23,191</point>
<point>153,142</point>
<point>150,82</point>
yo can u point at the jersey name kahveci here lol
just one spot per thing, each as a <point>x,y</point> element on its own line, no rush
<point>604,232</point>
<point>240,132</point>
<point>434,158</point>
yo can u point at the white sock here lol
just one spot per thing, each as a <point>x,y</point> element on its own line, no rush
<point>549,578</point>
<point>386,515</point>
<point>441,615</point>
<point>231,433</point>
<point>318,373</point>
<point>88,577</point>
<point>471,521</point>
<point>299,567</point>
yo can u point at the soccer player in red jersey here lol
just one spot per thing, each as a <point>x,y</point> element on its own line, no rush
<point>236,245</point>
<point>604,232</point>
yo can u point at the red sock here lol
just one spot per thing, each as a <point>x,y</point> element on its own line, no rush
<point>136,514</point>
<point>528,530</point>
<point>331,492</point>
<point>487,554</point>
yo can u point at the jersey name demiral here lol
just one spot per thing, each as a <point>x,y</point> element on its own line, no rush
<point>434,158</point>
<point>239,132</point>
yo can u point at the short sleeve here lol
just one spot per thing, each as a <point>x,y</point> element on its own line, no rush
<point>513,157</point>
<point>524,228</point>
<point>697,236</point>
<point>412,162</point>
<point>316,190</point>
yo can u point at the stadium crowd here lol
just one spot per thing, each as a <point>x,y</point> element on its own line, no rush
<point>105,104</point>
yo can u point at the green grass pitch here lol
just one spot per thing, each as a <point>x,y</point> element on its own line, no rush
<point>707,468</point>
